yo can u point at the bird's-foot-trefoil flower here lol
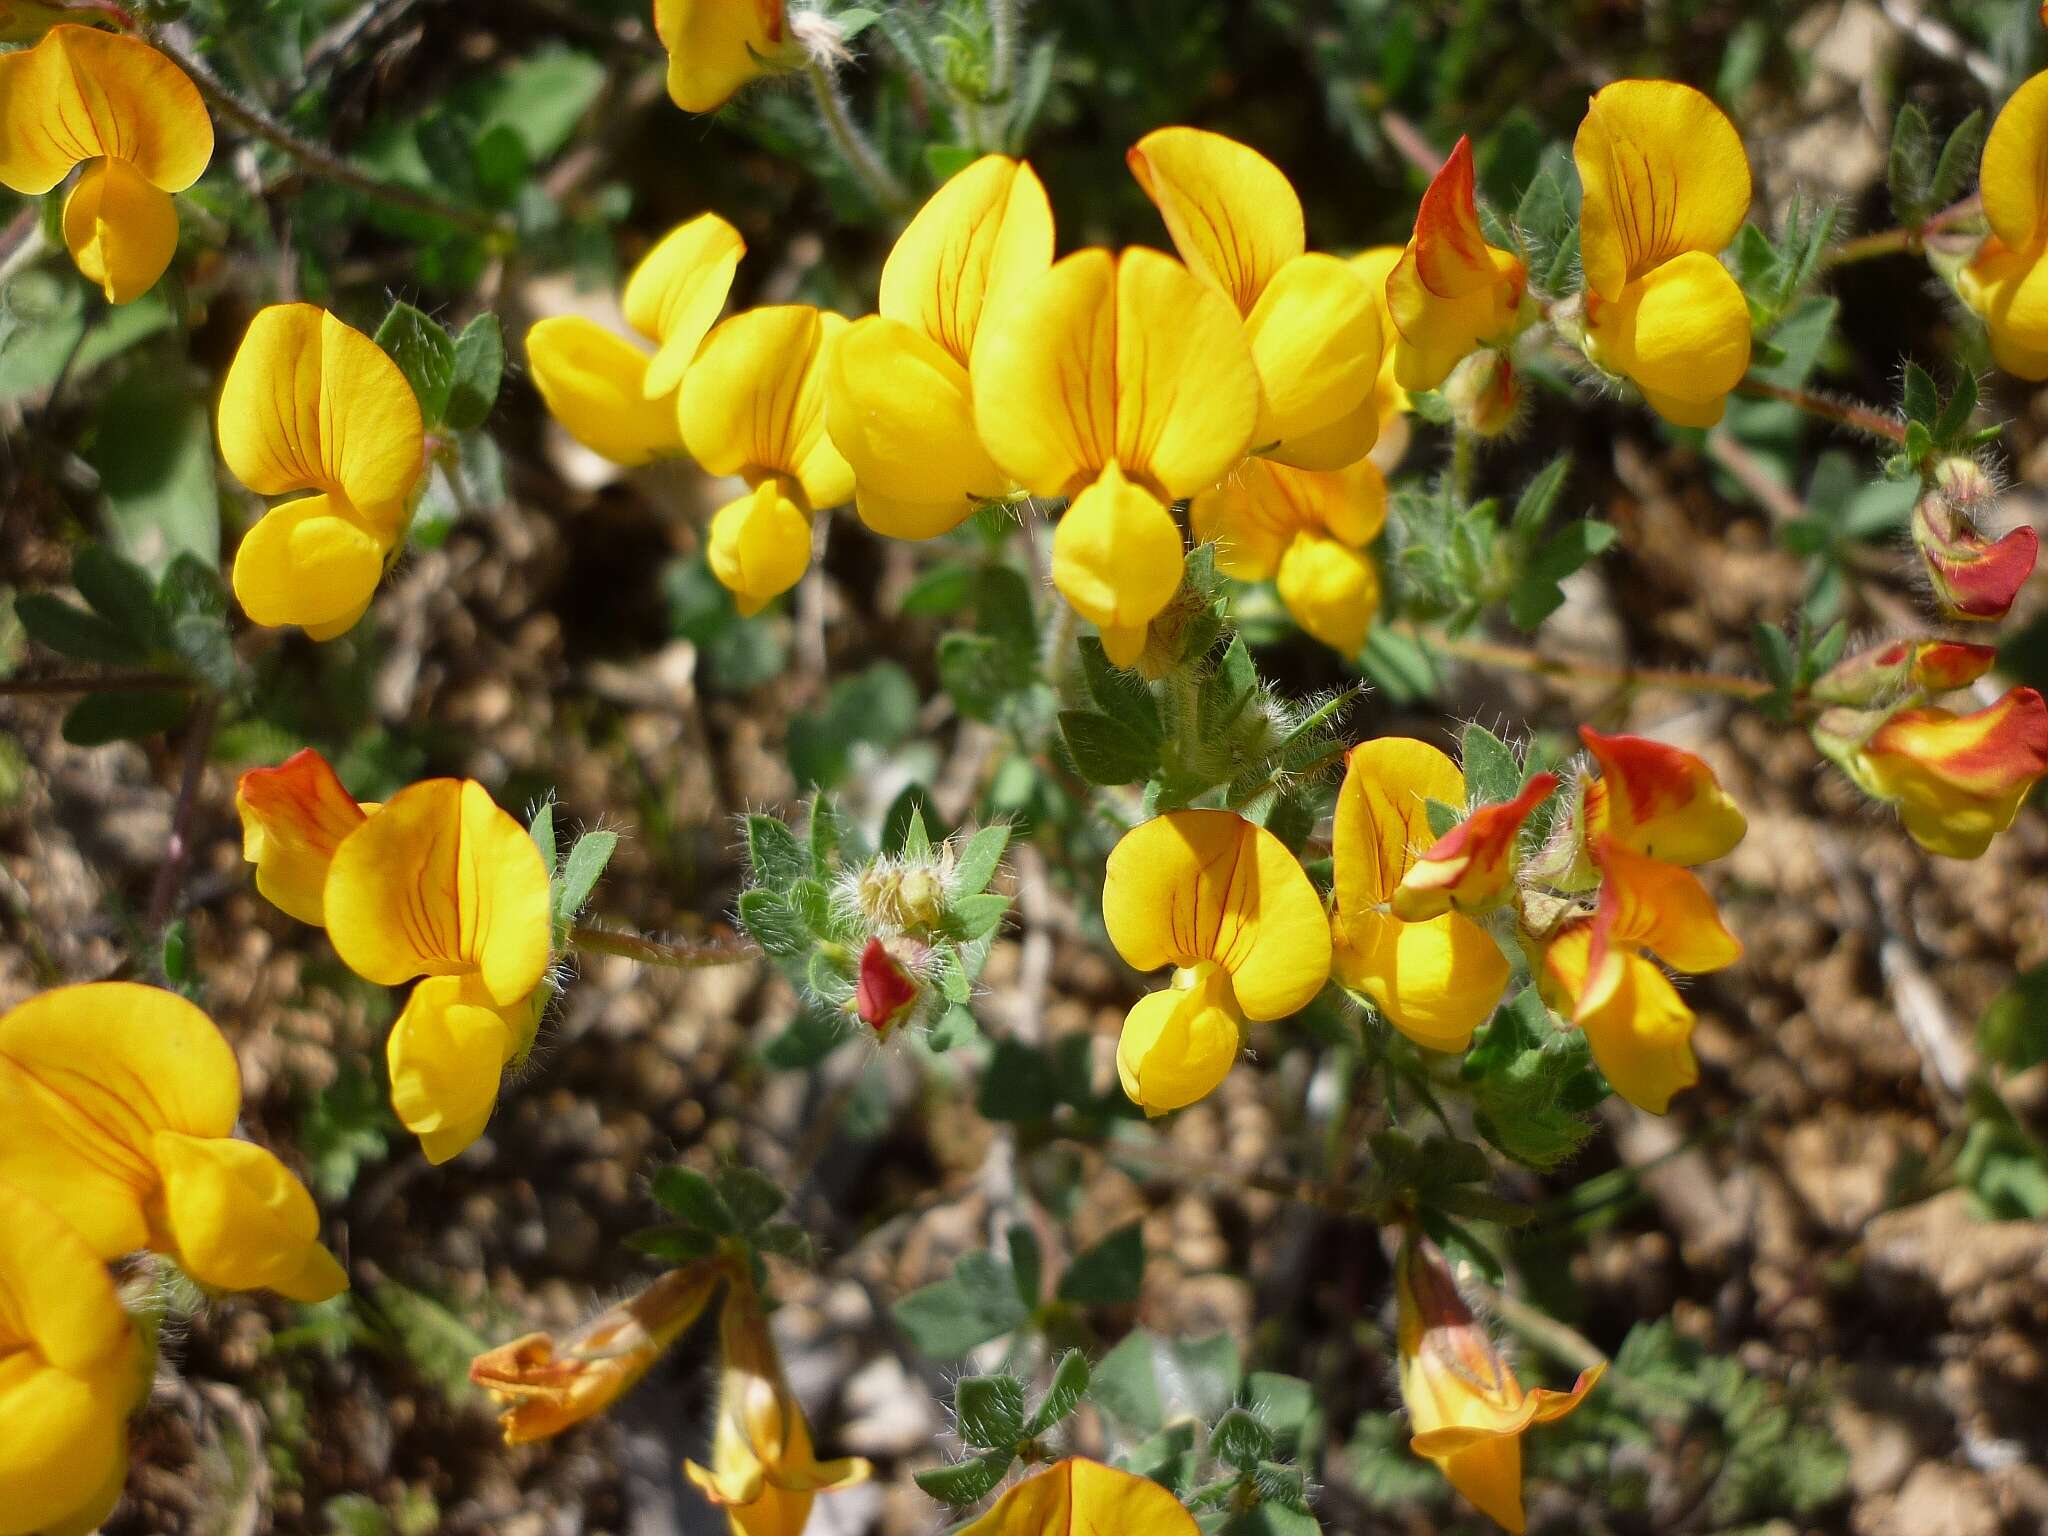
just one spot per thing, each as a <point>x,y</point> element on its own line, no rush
<point>1312,320</point>
<point>1665,185</point>
<point>133,119</point>
<point>1957,780</point>
<point>764,1470</point>
<point>1471,868</point>
<point>1077,1496</point>
<point>1438,979</point>
<point>543,1387</point>
<point>899,402</point>
<point>440,883</point>
<point>1124,383</point>
<point>1597,972</point>
<point>717,46</point>
<point>1451,293</point>
<point>753,405</point>
<point>2006,282</point>
<point>1390,401</point>
<point>1306,531</point>
<point>1222,901</point>
<point>613,398</point>
<point>118,1105</point>
<point>1657,800</point>
<point>313,405</point>
<point>71,1371</point>
<point>1467,1409</point>
<point>1975,578</point>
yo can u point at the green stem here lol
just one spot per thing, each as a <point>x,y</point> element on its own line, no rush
<point>1907,239</point>
<point>1464,462</point>
<point>1843,413</point>
<point>688,955</point>
<point>1579,669</point>
<point>860,156</point>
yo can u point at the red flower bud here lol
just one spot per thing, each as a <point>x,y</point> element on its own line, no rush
<point>885,992</point>
<point>1887,672</point>
<point>1974,577</point>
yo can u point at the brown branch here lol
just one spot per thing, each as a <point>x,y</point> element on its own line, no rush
<point>683,956</point>
<point>163,893</point>
<point>1488,653</point>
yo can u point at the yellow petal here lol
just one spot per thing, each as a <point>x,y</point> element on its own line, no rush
<point>1116,554</point>
<point>2014,179</point>
<point>311,404</point>
<point>440,882</point>
<point>1376,265</point>
<point>1681,334</point>
<point>293,818</point>
<point>1658,800</point>
<point>1178,1044</point>
<point>2009,288</point>
<point>81,93</point>
<point>1382,821</point>
<point>1436,981</point>
<point>1187,390</point>
<point>760,545</point>
<point>122,231</point>
<point>1249,540</point>
<point>446,1054</point>
<point>900,413</point>
<point>674,295</point>
<point>1331,589</point>
<point>717,46</point>
<point>1489,1473</point>
<point>595,385</point>
<point>1640,1032</point>
<point>56,1297</point>
<point>1232,213</point>
<point>1195,886</point>
<point>312,562</point>
<point>1660,907</point>
<point>984,233</point>
<point>1315,338</point>
<point>1044,376</point>
<point>88,1075</point>
<point>1662,172</point>
<point>1077,1497</point>
<point>753,403</point>
<point>240,1221</point>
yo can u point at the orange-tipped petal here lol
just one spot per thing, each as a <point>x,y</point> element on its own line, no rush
<point>1958,780</point>
<point>1471,867</point>
<point>293,818</point>
<point>1658,800</point>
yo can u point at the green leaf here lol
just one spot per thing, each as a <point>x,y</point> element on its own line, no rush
<point>1954,419</point>
<point>479,371</point>
<point>976,1303</point>
<point>692,1198</point>
<point>1539,497</point>
<point>1109,1274</point>
<point>1537,593</point>
<point>979,860</point>
<point>1019,1085</point>
<point>1027,1262</point>
<point>1119,692</point>
<point>1492,771</point>
<point>676,1245</point>
<point>1227,692</point>
<point>775,854</point>
<point>1241,1440</point>
<point>2014,1029</point>
<point>542,830</point>
<point>1069,1385</point>
<point>1442,817</point>
<point>1287,1406</point>
<point>152,446</point>
<point>1775,653</point>
<point>967,1482</point>
<point>202,642</point>
<point>1799,338</point>
<point>119,591</point>
<point>812,1035</point>
<point>1126,1384</point>
<point>1105,751</point>
<point>71,631</point>
<point>581,871</point>
<point>1922,398</point>
<point>941,590</point>
<point>1399,665</point>
<point>753,1198</point>
<point>955,1028</point>
<point>988,1411</point>
<point>972,917</point>
<point>774,926</point>
<point>1909,169</point>
<point>1958,162</point>
<point>99,718</point>
<point>425,354</point>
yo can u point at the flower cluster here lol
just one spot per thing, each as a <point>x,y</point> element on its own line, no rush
<point>436,883</point>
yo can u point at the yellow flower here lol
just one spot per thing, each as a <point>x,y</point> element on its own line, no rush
<point>117,1110</point>
<point>71,1370</point>
<point>1665,187</point>
<point>753,405</point>
<point>1078,1497</point>
<point>1123,383</point>
<point>1224,902</point>
<point>1312,320</point>
<point>717,46</point>
<point>1436,980</point>
<point>1471,868</point>
<point>1450,292</point>
<point>1376,264</point>
<point>1468,1410</point>
<point>137,123</point>
<point>1307,530</point>
<point>764,1471</point>
<point>293,818</point>
<point>900,406</point>
<point>612,397</point>
<point>1597,973</point>
<point>313,405</point>
<point>1657,800</point>
<point>543,1388</point>
<point>2006,281</point>
<point>440,882</point>
<point>1958,780</point>
<point>446,1055</point>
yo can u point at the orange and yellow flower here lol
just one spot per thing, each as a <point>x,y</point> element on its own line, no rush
<point>1450,292</point>
<point>1471,868</point>
<point>1078,1495</point>
<point>1468,1409</point>
<point>133,119</point>
<point>1888,673</point>
<point>1958,780</point>
<point>1222,901</point>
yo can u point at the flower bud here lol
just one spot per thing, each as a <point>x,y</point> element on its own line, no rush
<point>885,993</point>
<point>906,894</point>
<point>1484,394</point>
<point>1888,672</point>
<point>1974,577</point>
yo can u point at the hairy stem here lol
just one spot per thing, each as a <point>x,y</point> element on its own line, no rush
<point>1905,239</point>
<point>1487,653</point>
<point>170,875</point>
<point>860,156</point>
<point>684,955</point>
<point>1844,413</point>
<point>257,123</point>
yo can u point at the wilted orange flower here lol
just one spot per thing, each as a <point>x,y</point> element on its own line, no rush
<point>1975,578</point>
